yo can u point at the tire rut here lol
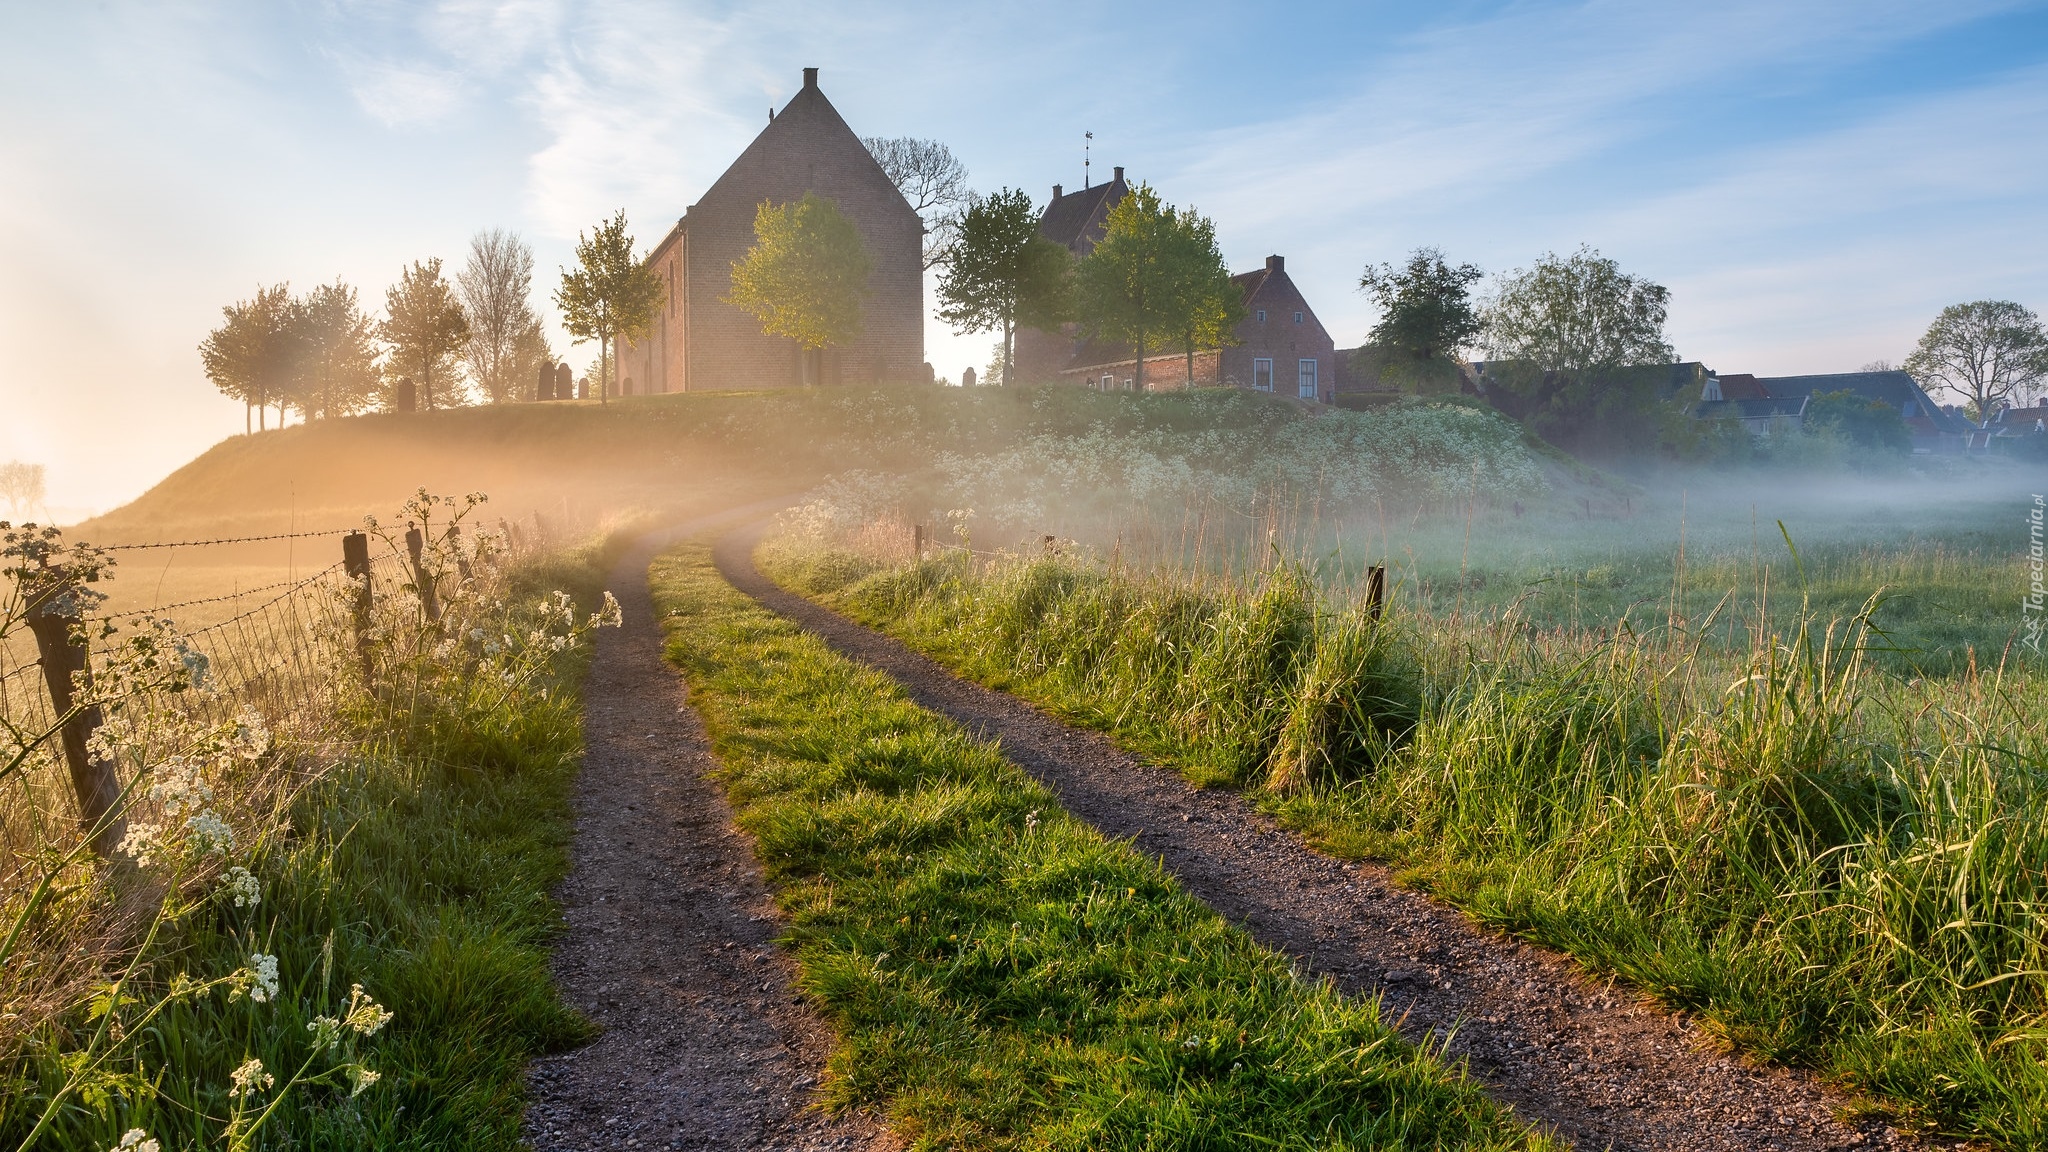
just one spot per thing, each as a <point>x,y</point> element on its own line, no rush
<point>1584,1060</point>
<point>671,934</point>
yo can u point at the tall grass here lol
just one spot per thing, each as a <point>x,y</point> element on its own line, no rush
<point>1834,867</point>
<point>293,874</point>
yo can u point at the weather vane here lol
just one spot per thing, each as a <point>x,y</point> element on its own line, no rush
<point>1085,158</point>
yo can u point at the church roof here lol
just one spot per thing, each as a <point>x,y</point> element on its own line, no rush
<point>1074,220</point>
<point>804,124</point>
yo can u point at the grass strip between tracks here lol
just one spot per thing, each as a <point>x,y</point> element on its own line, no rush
<point>1000,974</point>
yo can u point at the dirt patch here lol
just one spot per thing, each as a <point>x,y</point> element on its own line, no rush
<point>671,937</point>
<point>1584,1060</point>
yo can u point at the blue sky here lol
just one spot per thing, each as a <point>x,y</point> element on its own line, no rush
<point>1813,181</point>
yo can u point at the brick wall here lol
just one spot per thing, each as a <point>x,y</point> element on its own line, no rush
<point>1279,338</point>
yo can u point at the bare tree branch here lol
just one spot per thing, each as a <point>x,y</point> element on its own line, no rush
<point>933,180</point>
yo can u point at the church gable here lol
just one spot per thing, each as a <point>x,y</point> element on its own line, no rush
<point>806,147</point>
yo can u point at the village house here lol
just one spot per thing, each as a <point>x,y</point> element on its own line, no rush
<point>1762,402</point>
<point>1280,346</point>
<point>699,341</point>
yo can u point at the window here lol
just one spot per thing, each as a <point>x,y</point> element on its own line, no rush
<point>1109,383</point>
<point>1297,317</point>
<point>1305,380</point>
<point>1262,375</point>
<point>1262,315</point>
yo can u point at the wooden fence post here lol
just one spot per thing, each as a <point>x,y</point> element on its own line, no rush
<point>917,540</point>
<point>1375,591</point>
<point>355,561</point>
<point>429,603</point>
<point>64,673</point>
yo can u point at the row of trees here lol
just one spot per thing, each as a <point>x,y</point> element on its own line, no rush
<point>320,354</point>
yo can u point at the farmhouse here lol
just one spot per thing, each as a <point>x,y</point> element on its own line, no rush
<point>1762,402</point>
<point>699,341</point>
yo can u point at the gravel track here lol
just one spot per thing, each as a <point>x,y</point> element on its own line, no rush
<point>1586,1061</point>
<point>671,939</point>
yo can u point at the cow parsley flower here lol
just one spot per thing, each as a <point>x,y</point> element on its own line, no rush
<point>259,980</point>
<point>136,1140</point>
<point>365,1015</point>
<point>251,737</point>
<point>250,1078</point>
<point>143,843</point>
<point>178,787</point>
<point>362,1077</point>
<point>210,833</point>
<point>609,616</point>
<point>243,886</point>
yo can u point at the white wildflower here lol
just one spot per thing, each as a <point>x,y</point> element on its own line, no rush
<point>210,833</point>
<point>610,616</point>
<point>1031,820</point>
<point>259,980</point>
<point>326,1031</point>
<point>143,843</point>
<point>243,886</point>
<point>178,786</point>
<point>136,1140</point>
<point>364,1014</point>
<point>250,1078</point>
<point>362,1078</point>
<point>251,736</point>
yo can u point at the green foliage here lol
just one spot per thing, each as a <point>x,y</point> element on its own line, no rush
<point>1000,273</point>
<point>1830,867</point>
<point>1562,338</point>
<point>806,275</point>
<point>426,328</point>
<point>1001,976</point>
<point>250,357</point>
<point>506,346</point>
<point>337,353</point>
<point>1156,273</point>
<point>611,296</point>
<point>1426,316</point>
<point>1865,423</point>
<point>1990,352</point>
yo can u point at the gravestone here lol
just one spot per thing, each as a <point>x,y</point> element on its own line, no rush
<point>967,378</point>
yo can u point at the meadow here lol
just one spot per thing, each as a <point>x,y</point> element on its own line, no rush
<point>1770,748</point>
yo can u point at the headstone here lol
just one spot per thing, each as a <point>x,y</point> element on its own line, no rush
<point>583,388</point>
<point>565,382</point>
<point>967,378</point>
<point>404,397</point>
<point>544,384</point>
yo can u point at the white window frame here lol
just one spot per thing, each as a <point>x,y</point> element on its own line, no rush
<point>1108,383</point>
<point>1307,384</point>
<point>1262,315</point>
<point>1297,317</point>
<point>1267,364</point>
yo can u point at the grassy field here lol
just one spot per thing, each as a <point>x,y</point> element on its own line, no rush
<point>1836,867</point>
<point>1001,975</point>
<point>381,853</point>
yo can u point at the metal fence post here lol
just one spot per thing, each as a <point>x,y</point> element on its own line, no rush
<point>65,672</point>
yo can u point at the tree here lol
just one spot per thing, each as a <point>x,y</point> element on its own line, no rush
<point>251,356</point>
<point>1426,316</point>
<point>1003,273</point>
<point>612,296</point>
<point>1568,330</point>
<point>805,276</point>
<point>1858,420</point>
<point>1206,304</point>
<point>933,180</point>
<point>1123,287</point>
<point>426,328</point>
<point>337,356</point>
<point>1990,352</point>
<point>495,285</point>
<point>22,486</point>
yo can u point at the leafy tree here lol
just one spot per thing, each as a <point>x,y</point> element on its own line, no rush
<point>22,486</point>
<point>1206,304</point>
<point>1860,421</point>
<point>933,180</point>
<point>1568,331</point>
<point>426,328</point>
<point>805,275</point>
<point>1990,352</point>
<point>1002,273</point>
<point>495,285</point>
<point>612,296</point>
<point>1426,316</point>
<point>251,356</point>
<point>1124,288</point>
<point>337,355</point>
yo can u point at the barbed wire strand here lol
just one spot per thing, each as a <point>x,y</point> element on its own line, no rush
<point>227,540</point>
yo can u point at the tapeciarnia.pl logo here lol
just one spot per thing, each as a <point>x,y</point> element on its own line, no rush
<point>2035,602</point>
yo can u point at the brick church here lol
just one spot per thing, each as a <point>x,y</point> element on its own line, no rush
<point>1279,347</point>
<point>700,342</point>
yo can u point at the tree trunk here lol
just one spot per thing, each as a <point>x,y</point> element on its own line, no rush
<point>1191,362</point>
<point>1009,348</point>
<point>1138,368</point>
<point>248,421</point>
<point>603,369</point>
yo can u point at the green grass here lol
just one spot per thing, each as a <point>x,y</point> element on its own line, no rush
<point>1000,975</point>
<point>418,866</point>
<point>1834,867</point>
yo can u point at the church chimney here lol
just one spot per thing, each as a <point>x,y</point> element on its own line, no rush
<point>1057,192</point>
<point>810,77</point>
<point>1276,263</point>
<point>1119,174</point>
